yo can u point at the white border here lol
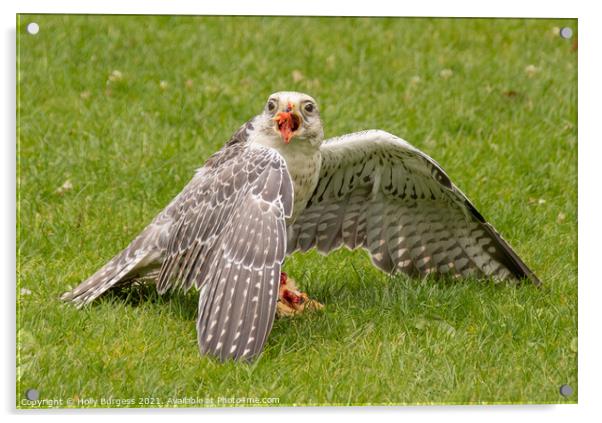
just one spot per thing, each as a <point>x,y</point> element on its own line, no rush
<point>590,95</point>
<point>507,8</point>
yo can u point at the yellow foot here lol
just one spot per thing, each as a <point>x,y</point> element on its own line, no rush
<point>291,301</point>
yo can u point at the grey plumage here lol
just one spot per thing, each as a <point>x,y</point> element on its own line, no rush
<point>260,198</point>
<point>224,234</point>
<point>229,242</point>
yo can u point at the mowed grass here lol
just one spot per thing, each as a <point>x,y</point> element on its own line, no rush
<point>494,101</point>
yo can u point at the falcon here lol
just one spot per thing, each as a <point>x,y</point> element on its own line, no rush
<point>277,187</point>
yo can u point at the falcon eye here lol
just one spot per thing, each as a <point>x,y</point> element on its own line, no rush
<point>271,105</point>
<point>309,108</point>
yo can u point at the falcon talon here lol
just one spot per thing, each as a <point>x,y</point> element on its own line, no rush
<point>279,180</point>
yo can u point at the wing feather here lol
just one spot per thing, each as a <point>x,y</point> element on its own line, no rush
<point>379,192</point>
<point>229,241</point>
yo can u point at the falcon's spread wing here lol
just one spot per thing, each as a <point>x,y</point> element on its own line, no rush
<point>378,192</point>
<point>229,240</point>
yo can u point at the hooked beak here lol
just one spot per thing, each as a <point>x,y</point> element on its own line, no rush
<point>288,122</point>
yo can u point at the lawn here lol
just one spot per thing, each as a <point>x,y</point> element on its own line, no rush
<point>116,112</point>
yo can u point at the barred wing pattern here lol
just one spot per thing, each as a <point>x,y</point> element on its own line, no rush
<point>378,192</point>
<point>229,240</point>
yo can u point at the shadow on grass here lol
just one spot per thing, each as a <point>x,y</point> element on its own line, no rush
<point>366,290</point>
<point>181,305</point>
<point>350,303</point>
<point>362,291</point>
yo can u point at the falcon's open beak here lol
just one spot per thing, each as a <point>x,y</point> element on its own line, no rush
<point>288,122</point>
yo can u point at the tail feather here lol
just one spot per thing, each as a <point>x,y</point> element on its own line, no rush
<point>128,262</point>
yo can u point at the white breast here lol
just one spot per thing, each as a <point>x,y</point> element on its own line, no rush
<point>305,172</point>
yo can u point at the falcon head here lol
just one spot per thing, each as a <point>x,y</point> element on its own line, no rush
<point>292,118</point>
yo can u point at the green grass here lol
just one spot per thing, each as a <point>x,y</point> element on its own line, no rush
<point>505,132</point>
